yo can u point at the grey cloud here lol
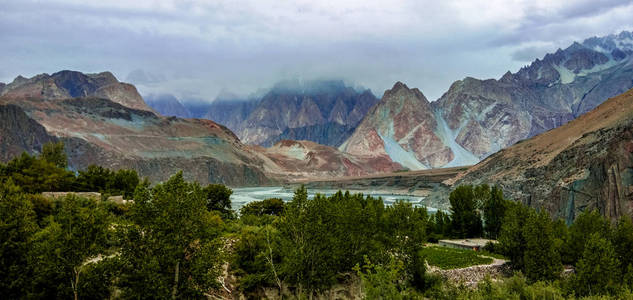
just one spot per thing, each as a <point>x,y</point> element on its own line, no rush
<point>529,53</point>
<point>568,23</point>
<point>140,76</point>
<point>196,49</point>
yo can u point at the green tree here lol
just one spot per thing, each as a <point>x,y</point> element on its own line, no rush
<point>271,207</point>
<point>440,224</point>
<point>219,198</point>
<point>76,234</point>
<point>42,206</point>
<point>54,153</point>
<point>586,224</point>
<point>465,218</point>
<point>623,243</point>
<point>494,207</point>
<point>406,227</point>
<point>36,175</point>
<point>307,242</point>
<point>356,229</point>
<point>382,281</point>
<point>322,237</point>
<point>481,194</point>
<point>256,258</point>
<point>17,226</point>
<point>562,241</point>
<point>123,182</point>
<point>541,258</point>
<point>94,179</point>
<point>628,276</point>
<point>597,270</point>
<point>172,248</point>
<point>511,238</point>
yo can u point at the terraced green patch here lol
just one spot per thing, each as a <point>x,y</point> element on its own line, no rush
<point>449,258</point>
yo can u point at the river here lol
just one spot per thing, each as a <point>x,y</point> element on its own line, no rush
<point>242,196</point>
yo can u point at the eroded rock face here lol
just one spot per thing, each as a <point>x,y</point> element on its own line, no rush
<point>584,164</point>
<point>303,110</point>
<point>542,96</point>
<point>113,127</point>
<point>306,159</point>
<point>19,133</point>
<point>403,127</point>
<point>231,112</point>
<point>72,84</point>
<point>476,118</point>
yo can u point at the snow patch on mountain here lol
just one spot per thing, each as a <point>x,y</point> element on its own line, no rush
<point>399,155</point>
<point>296,152</point>
<point>566,75</point>
<point>463,157</point>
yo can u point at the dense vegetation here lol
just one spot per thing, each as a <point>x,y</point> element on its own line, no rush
<point>48,173</point>
<point>175,239</point>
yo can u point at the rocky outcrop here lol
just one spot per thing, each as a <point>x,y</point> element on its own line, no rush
<point>401,126</point>
<point>489,115</point>
<point>308,160</point>
<point>203,168</point>
<point>167,105</point>
<point>72,84</point>
<point>19,133</point>
<point>231,112</point>
<point>103,130</point>
<point>302,108</point>
<point>329,134</point>
<point>584,164</point>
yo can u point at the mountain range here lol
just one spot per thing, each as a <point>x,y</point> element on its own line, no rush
<point>311,129</point>
<point>322,111</point>
<point>476,118</point>
<point>469,122</point>
<point>582,165</point>
<point>106,122</point>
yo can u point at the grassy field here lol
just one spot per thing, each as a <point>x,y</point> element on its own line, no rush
<point>449,258</point>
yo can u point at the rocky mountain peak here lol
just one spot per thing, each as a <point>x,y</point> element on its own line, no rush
<point>402,127</point>
<point>401,91</point>
<point>622,41</point>
<point>73,84</point>
<point>19,80</point>
<point>575,46</point>
<point>303,110</point>
<point>399,85</point>
<point>507,77</point>
<point>476,118</point>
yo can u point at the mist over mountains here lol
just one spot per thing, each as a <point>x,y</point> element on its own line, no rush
<point>322,111</point>
<point>402,130</point>
<point>476,118</point>
<point>470,121</point>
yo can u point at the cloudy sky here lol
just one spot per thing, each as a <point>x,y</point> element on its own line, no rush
<point>195,48</point>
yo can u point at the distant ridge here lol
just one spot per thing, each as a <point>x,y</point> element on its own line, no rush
<point>476,118</point>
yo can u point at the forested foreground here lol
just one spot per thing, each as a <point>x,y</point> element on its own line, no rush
<point>178,239</point>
